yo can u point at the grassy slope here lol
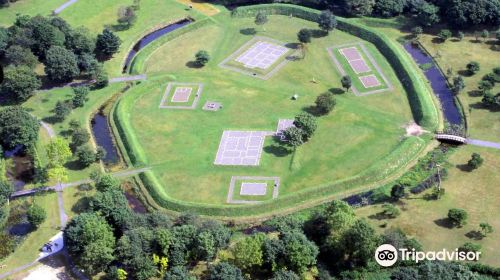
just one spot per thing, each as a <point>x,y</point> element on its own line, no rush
<point>28,250</point>
<point>477,192</point>
<point>350,132</point>
<point>27,7</point>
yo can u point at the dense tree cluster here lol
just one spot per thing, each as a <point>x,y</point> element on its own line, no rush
<point>5,190</point>
<point>67,53</point>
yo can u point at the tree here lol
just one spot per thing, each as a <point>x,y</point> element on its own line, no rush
<point>485,228</point>
<point>106,182</point>
<point>62,110</point>
<point>485,86</point>
<point>285,275</point>
<point>458,84</point>
<point>294,136</point>
<point>79,136</point>
<point>80,41</point>
<point>179,273</point>
<point>460,35</point>
<point>390,210</point>
<point>58,151</point>
<point>389,8</point>
<point>416,32</point>
<point>112,205</point>
<point>36,215</point>
<point>6,189</point>
<point>17,127</point>
<point>86,155</point>
<point>300,252</point>
<point>19,83</point>
<point>100,76</point>
<point>346,82</point>
<point>18,56</point>
<point>58,173</point>
<point>308,123</point>
<point>87,64</point>
<point>491,101</point>
<point>327,21</point>
<point>360,241</point>
<point>202,57</point>
<point>304,36</point>
<point>444,34</point>
<point>44,35</point>
<point>325,103</point>
<point>61,64</point>
<point>80,94</point>
<point>107,43</point>
<point>427,14</point>
<point>485,34</point>
<point>473,67</point>
<point>476,161</point>
<point>90,240</point>
<point>457,217</point>
<point>4,38</point>
<point>359,7</point>
<point>224,271</point>
<point>100,153</point>
<point>470,247</point>
<point>261,18</point>
<point>126,16</point>
<point>248,252</point>
<point>398,191</point>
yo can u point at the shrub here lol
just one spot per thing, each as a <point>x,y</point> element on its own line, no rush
<point>473,67</point>
<point>458,217</point>
<point>36,215</point>
<point>86,155</point>
<point>325,103</point>
<point>202,57</point>
<point>476,161</point>
<point>304,35</point>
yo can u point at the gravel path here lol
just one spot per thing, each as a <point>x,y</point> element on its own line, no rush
<point>61,8</point>
<point>482,143</point>
<point>128,78</point>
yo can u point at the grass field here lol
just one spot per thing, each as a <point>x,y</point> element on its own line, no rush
<point>29,7</point>
<point>181,145</point>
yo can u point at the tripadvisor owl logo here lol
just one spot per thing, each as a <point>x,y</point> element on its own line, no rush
<point>386,255</point>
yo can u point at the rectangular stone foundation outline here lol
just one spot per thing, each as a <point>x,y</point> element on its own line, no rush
<point>168,91</point>
<point>255,178</point>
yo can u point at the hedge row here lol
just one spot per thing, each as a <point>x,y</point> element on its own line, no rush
<point>401,156</point>
<point>139,60</point>
<point>422,106</point>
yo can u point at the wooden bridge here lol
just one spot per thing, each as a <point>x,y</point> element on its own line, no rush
<point>450,138</point>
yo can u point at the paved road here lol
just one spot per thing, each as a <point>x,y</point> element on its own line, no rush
<point>482,143</point>
<point>128,78</point>
<point>64,6</point>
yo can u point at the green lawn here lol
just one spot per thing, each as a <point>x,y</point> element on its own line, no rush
<point>181,144</point>
<point>28,250</point>
<point>27,7</point>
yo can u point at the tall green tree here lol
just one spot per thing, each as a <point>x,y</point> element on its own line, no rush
<point>294,137</point>
<point>325,103</point>
<point>301,253</point>
<point>107,43</point>
<point>61,64</point>
<point>261,19</point>
<point>346,82</point>
<point>327,21</point>
<point>308,123</point>
<point>360,241</point>
<point>427,14</point>
<point>58,151</point>
<point>458,84</point>
<point>359,7</point>
<point>389,8</point>
<point>224,271</point>
<point>36,215</point>
<point>80,41</point>
<point>248,252</point>
<point>18,127</point>
<point>18,56</point>
<point>19,83</point>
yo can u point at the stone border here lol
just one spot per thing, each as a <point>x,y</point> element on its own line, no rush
<point>372,60</point>
<point>252,41</point>
<point>169,89</point>
<point>233,182</point>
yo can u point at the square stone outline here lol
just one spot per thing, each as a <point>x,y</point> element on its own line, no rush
<point>189,94</point>
<point>230,192</point>
<point>249,43</point>
<point>169,89</point>
<point>366,76</point>
<point>343,72</point>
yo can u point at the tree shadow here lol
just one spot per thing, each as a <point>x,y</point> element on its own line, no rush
<point>120,27</point>
<point>337,91</point>
<point>444,222</point>
<point>379,216</point>
<point>474,234</point>
<point>480,105</point>
<point>454,40</point>
<point>21,229</point>
<point>81,205</point>
<point>475,93</point>
<point>51,119</point>
<point>437,40</point>
<point>193,65</point>
<point>277,150</point>
<point>74,165</point>
<point>464,167</point>
<point>294,46</point>
<point>248,31</point>
<point>313,110</point>
<point>318,33</point>
<point>464,72</point>
<point>475,41</point>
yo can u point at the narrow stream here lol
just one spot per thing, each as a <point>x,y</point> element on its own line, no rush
<point>438,83</point>
<point>103,138</point>
<point>151,37</point>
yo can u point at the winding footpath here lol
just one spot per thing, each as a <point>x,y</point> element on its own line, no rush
<point>482,143</point>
